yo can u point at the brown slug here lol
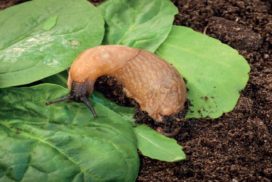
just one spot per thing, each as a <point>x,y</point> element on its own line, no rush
<point>157,86</point>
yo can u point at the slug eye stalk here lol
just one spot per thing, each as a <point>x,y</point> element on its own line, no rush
<point>79,93</point>
<point>62,99</point>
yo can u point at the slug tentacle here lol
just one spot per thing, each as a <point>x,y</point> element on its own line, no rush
<point>62,99</point>
<point>79,93</point>
<point>89,105</point>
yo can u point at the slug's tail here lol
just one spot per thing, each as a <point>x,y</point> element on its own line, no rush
<point>86,101</point>
<point>83,99</point>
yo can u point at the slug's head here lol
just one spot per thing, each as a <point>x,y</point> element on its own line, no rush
<point>79,93</point>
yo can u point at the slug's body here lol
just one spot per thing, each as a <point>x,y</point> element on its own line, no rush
<point>157,86</point>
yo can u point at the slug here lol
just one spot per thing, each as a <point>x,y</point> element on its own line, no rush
<point>154,84</point>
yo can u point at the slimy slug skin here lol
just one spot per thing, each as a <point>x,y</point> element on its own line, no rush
<point>154,84</point>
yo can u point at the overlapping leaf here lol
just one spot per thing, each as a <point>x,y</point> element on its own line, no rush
<point>62,142</point>
<point>150,143</point>
<point>158,146</point>
<point>138,23</point>
<point>40,38</point>
<point>215,72</point>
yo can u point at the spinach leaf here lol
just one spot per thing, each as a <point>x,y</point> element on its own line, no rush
<point>138,23</point>
<point>58,79</point>
<point>40,38</point>
<point>158,146</point>
<point>215,72</point>
<point>62,142</point>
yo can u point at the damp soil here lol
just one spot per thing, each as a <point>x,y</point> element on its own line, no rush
<point>238,145</point>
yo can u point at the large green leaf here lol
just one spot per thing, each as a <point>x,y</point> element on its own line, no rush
<point>62,142</point>
<point>138,23</point>
<point>158,146</point>
<point>40,38</point>
<point>215,72</point>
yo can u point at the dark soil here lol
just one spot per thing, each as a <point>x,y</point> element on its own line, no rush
<point>237,146</point>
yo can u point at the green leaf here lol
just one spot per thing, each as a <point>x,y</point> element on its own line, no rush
<point>50,23</point>
<point>215,72</point>
<point>126,113</point>
<point>59,79</point>
<point>157,146</point>
<point>40,38</point>
<point>62,142</point>
<point>138,23</point>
